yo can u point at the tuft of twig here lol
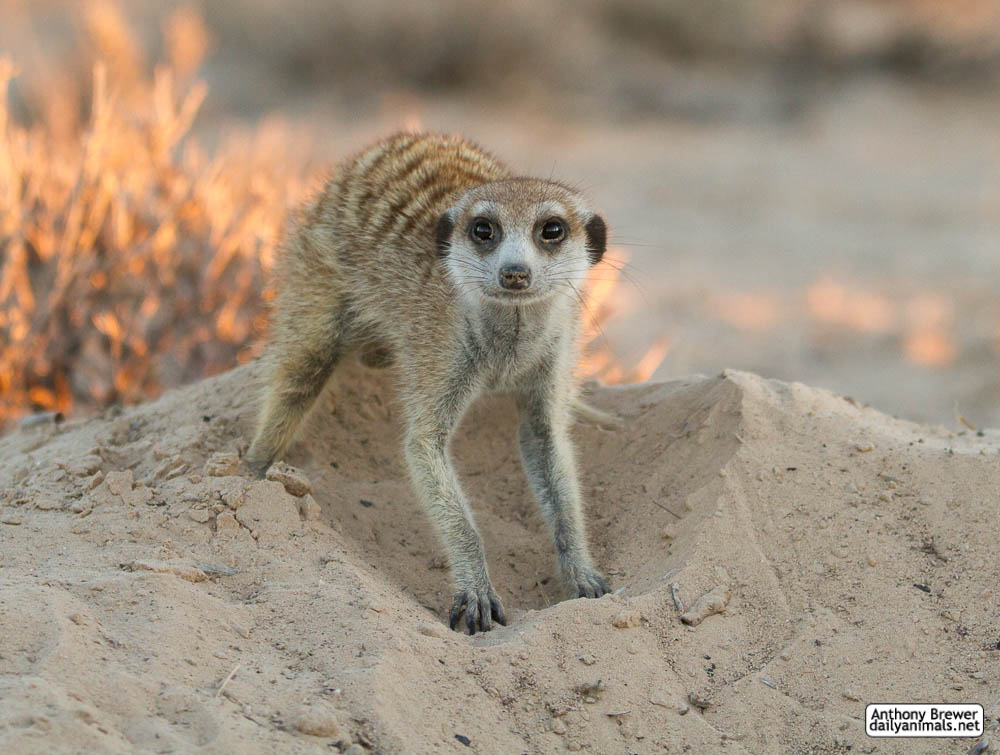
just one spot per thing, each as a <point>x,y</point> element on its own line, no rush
<point>675,594</point>
<point>227,680</point>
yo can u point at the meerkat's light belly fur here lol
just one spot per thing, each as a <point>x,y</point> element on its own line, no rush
<point>427,248</point>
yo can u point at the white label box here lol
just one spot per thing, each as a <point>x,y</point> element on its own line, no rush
<point>924,720</point>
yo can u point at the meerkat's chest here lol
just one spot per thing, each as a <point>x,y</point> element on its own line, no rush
<point>505,348</point>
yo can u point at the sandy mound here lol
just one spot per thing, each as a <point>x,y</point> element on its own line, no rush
<point>154,600</point>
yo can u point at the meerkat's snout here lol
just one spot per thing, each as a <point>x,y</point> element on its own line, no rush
<point>515,277</point>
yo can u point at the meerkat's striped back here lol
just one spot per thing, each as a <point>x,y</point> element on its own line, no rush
<point>401,185</point>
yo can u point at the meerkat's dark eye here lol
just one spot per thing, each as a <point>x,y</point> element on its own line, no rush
<point>482,230</point>
<point>553,230</point>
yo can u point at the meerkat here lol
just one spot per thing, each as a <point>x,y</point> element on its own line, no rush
<point>427,252</point>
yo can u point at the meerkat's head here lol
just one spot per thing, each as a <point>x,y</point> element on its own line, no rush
<point>519,240</point>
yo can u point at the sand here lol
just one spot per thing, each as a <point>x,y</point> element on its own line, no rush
<point>154,599</point>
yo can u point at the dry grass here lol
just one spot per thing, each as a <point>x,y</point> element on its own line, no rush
<point>131,258</point>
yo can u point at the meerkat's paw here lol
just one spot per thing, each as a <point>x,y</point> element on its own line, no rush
<point>586,582</point>
<point>258,467</point>
<point>481,605</point>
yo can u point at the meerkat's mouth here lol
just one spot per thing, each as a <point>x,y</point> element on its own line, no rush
<point>514,297</point>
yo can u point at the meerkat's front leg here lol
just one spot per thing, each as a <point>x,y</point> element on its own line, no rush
<point>547,452</point>
<point>433,416</point>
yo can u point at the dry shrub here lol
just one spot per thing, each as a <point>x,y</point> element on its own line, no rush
<point>131,258</point>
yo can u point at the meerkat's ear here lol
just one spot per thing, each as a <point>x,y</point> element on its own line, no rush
<point>597,238</point>
<point>442,235</point>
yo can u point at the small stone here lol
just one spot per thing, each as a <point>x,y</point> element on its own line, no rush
<point>94,481</point>
<point>435,630</point>
<point>702,703</point>
<point>183,570</point>
<point>120,483</point>
<point>295,482</point>
<point>222,464</point>
<point>588,660</point>
<point>355,749</point>
<point>318,720</point>
<point>85,466</point>
<point>234,498</point>
<point>11,519</point>
<point>590,691</point>
<point>573,746</point>
<point>241,630</point>
<point>558,727</point>
<point>226,525</point>
<point>668,533</point>
<point>627,619</point>
<point>710,603</point>
<point>865,447</point>
<point>871,561</point>
<point>309,509</point>
<point>199,515</point>
<point>658,698</point>
<point>48,503</point>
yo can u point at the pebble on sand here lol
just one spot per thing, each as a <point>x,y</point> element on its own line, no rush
<point>712,602</point>
<point>222,464</point>
<point>294,480</point>
<point>317,720</point>
<point>627,619</point>
<point>308,508</point>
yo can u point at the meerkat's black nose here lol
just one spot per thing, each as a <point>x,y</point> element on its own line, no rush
<point>515,277</point>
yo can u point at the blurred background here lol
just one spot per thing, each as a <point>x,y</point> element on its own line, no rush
<point>804,189</point>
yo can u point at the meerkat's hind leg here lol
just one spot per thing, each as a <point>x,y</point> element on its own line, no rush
<point>298,364</point>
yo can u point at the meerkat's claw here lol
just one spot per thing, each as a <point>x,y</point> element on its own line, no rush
<point>480,606</point>
<point>590,584</point>
<point>257,467</point>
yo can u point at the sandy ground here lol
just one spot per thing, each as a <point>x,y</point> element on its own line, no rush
<point>153,599</point>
